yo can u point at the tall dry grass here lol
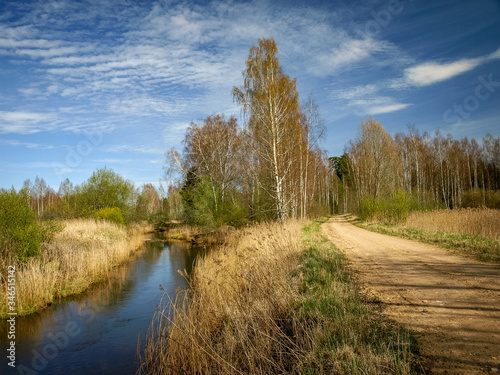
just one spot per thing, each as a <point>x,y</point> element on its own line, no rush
<point>232,319</point>
<point>481,222</point>
<point>82,254</point>
<point>267,302</point>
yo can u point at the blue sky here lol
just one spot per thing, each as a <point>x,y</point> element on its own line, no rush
<point>89,84</point>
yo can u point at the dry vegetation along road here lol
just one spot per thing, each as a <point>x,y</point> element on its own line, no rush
<point>451,302</point>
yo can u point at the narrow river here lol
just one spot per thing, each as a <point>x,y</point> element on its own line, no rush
<point>98,332</point>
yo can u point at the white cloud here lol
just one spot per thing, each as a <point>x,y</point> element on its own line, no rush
<point>115,161</point>
<point>495,55</point>
<point>350,51</point>
<point>26,122</point>
<point>429,73</point>
<point>14,142</point>
<point>375,110</point>
<point>28,43</point>
<point>133,148</point>
<point>367,100</point>
<point>30,92</point>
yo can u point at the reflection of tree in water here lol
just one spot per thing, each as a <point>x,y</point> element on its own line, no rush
<point>183,254</point>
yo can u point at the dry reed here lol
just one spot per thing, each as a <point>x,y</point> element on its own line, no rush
<point>180,232</point>
<point>231,320</point>
<point>263,304</point>
<point>82,254</point>
<point>481,222</point>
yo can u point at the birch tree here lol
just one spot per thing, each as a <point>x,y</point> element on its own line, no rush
<point>271,104</point>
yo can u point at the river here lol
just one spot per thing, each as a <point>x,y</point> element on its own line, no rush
<point>98,332</point>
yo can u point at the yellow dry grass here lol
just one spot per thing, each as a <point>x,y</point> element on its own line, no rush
<point>481,222</point>
<point>238,294</point>
<point>180,232</point>
<point>79,256</point>
<point>274,299</point>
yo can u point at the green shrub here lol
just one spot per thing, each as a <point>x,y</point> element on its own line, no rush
<point>394,210</point>
<point>110,214</point>
<point>18,225</point>
<point>368,208</point>
<point>399,207</point>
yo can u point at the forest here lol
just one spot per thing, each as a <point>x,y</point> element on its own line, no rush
<point>272,168</point>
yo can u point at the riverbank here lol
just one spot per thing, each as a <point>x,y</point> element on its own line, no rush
<point>82,254</point>
<point>275,299</point>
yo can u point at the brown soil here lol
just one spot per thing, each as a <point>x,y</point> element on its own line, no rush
<point>452,303</point>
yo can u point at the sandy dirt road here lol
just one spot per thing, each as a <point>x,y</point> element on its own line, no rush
<point>453,303</point>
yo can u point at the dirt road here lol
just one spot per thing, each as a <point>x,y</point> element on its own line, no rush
<point>453,303</point>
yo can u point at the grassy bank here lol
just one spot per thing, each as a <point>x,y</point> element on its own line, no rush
<point>274,299</point>
<point>471,232</point>
<point>83,253</point>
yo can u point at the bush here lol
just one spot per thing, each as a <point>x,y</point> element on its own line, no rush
<point>368,208</point>
<point>399,207</point>
<point>110,214</point>
<point>394,210</point>
<point>18,225</point>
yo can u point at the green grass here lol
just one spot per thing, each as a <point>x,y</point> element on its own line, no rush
<point>479,248</point>
<point>350,334</point>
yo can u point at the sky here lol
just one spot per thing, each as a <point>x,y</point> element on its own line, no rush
<point>97,83</point>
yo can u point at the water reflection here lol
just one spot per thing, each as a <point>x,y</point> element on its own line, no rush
<point>98,332</point>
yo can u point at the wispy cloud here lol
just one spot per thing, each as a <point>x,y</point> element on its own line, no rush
<point>114,161</point>
<point>377,97</point>
<point>25,122</point>
<point>133,148</point>
<point>432,72</point>
<point>429,73</point>
<point>167,58</point>
<point>367,100</point>
<point>14,142</point>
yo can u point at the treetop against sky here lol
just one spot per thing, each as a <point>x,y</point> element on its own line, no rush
<point>89,84</point>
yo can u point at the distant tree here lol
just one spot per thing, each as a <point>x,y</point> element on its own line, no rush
<point>40,188</point>
<point>110,214</point>
<point>375,162</point>
<point>107,189</point>
<point>148,202</point>
<point>19,229</point>
<point>212,150</point>
<point>314,129</point>
<point>342,167</point>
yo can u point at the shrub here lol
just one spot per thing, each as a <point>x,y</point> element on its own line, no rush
<point>18,225</point>
<point>110,214</point>
<point>368,208</point>
<point>394,210</point>
<point>399,207</point>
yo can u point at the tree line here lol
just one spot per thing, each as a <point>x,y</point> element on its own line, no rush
<point>105,194</point>
<point>415,171</point>
<point>29,216</point>
<point>272,167</point>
